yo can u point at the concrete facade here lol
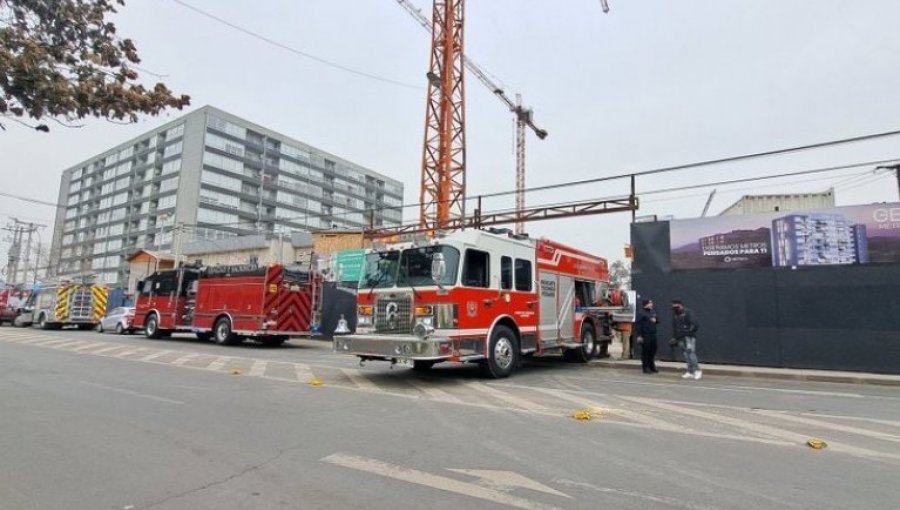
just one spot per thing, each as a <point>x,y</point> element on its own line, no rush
<point>207,175</point>
<point>751,204</point>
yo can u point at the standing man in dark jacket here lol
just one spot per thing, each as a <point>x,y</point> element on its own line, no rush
<point>684,331</point>
<point>645,335</point>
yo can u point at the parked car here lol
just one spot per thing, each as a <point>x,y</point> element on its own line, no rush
<point>8,314</point>
<point>120,320</point>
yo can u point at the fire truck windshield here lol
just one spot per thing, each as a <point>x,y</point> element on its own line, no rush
<point>383,268</point>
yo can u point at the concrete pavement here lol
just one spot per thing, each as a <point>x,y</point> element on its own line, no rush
<point>100,421</point>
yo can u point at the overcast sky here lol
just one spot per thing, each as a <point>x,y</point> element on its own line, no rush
<point>651,84</point>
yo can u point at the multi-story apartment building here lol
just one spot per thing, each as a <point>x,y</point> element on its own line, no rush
<point>207,175</point>
<point>818,239</point>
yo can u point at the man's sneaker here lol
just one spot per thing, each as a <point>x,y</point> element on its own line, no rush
<point>687,375</point>
<point>698,374</point>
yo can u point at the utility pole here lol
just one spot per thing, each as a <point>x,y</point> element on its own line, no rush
<point>896,170</point>
<point>20,229</point>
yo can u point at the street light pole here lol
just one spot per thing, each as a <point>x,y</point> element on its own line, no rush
<point>896,170</point>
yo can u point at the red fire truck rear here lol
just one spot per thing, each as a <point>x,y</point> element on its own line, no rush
<point>228,303</point>
<point>484,297</point>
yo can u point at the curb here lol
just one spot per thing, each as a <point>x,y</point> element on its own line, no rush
<point>795,375</point>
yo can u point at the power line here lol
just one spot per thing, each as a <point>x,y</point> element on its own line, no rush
<point>28,199</point>
<point>295,50</point>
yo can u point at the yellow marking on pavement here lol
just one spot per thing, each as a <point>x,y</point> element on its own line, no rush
<point>66,346</point>
<point>51,343</point>
<point>130,352</point>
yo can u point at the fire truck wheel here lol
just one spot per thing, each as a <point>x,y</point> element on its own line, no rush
<point>222,333</point>
<point>584,353</point>
<point>503,353</point>
<point>151,329</point>
<point>42,322</point>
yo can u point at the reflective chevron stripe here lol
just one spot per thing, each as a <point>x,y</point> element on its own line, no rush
<point>100,295</point>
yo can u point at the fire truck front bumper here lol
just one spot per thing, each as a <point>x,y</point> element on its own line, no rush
<point>394,347</point>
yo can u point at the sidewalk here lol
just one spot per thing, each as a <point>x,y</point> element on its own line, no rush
<point>795,374</point>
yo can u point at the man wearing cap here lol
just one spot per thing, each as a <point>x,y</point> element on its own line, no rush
<point>645,335</point>
<point>684,335</point>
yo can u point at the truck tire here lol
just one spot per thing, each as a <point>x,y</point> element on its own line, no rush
<point>222,333</point>
<point>120,329</point>
<point>502,355</point>
<point>42,322</point>
<point>588,347</point>
<point>151,327</point>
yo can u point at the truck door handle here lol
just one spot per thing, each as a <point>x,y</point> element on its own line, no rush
<point>488,302</point>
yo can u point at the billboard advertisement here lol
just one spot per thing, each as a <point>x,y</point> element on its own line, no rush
<point>865,234</point>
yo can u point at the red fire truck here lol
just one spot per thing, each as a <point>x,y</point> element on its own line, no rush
<point>488,297</point>
<point>228,303</point>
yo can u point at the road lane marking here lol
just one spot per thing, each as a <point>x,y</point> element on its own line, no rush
<point>667,501</point>
<point>362,382</point>
<point>759,428</point>
<point>435,393</point>
<point>505,397</point>
<point>218,363</point>
<point>109,349</point>
<point>16,338</point>
<point>130,352</point>
<point>184,359</point>
<point>302,372</point>
<point>154,355</point>
<point>506,480</point>
<point>53,343</point>
<point>438,482</point>
<point>133,393</point>
<point>66,345</point>
<point>258,369</point>
<point>780,415</point>
<point>89,346</point>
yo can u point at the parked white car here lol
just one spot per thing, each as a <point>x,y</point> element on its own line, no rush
<point>118,320</point>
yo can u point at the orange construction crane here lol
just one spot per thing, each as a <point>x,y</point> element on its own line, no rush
<point>442,196</point>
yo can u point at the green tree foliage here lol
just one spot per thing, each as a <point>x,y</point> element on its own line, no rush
<point>62,60</point>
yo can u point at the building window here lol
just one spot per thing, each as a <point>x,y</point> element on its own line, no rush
<point>172,150</point>
<point>120,199</point>
<point>171,167</point>
<point>175,132</point>
<point>220,199</point>
<point>215,217</point>
<point>506,273</point>
<point>223,162</point>
<point>168,185</point>
<point>166,203</point>
<point>123,168</point>
<point>220,181</point>
<point>227,127</point>
<point>122,183</point>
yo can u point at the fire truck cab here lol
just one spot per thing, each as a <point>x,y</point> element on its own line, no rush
<point>488,297</point>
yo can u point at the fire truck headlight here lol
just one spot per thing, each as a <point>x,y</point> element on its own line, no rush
<point>423,331</point>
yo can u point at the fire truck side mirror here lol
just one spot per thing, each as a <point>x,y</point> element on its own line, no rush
<point>438,268</point>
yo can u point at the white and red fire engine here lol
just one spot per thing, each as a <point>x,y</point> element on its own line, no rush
<point>479,296</point>
<point>228,303</point>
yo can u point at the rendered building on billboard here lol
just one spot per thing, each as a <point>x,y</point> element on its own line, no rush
<point>817,239</point>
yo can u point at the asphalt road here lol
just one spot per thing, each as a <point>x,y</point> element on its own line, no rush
<point>96,422</point>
